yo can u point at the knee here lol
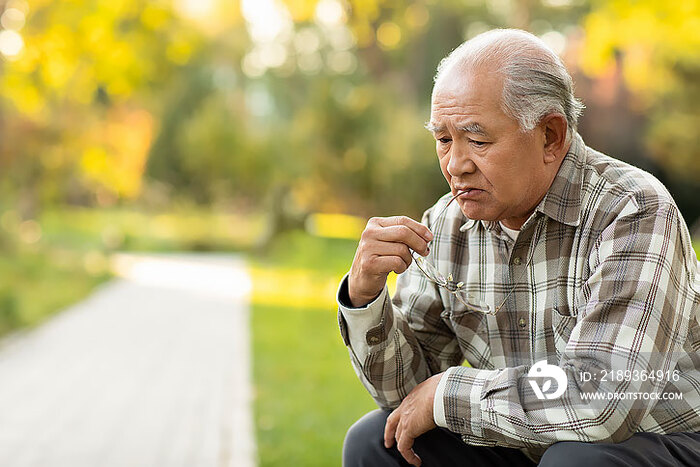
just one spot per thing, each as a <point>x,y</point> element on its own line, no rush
<point>364,438</point>
<point>578,454</point>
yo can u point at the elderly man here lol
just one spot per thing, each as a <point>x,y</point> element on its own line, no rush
<point>547,307</point>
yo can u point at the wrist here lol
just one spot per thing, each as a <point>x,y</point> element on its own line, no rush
<point>360,299</point>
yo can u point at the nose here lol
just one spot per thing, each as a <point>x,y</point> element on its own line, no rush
<point>460,161</point>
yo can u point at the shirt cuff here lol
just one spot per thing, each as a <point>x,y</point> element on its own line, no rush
<point>439,402</point>
<point>360,320</point>
<point>462,396</point>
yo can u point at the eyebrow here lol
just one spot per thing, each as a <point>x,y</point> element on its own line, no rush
<point>471,127</point>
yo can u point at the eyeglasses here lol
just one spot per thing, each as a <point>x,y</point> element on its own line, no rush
<point>466,298</point>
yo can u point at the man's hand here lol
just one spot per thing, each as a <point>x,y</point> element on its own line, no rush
<point>384,247</point>
<point>411,419</point>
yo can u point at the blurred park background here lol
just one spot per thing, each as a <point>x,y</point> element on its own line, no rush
<point>274,128</point>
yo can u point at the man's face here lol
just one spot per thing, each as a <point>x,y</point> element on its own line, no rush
<point>483,149</point>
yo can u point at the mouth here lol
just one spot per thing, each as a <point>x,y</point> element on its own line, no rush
<point>469,193</point>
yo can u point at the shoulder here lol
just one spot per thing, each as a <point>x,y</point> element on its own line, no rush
<point>613,188</point>
<point>629,203</point>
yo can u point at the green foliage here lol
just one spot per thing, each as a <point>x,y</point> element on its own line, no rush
<point>657,43</point>
<point>111,99</point>
<point>81,96</point>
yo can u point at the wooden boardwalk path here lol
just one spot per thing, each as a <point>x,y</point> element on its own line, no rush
<point>153,369</point>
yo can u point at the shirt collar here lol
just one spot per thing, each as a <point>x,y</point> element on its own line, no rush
<point>563,199</point>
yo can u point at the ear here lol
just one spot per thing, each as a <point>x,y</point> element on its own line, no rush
<point>554,127</point>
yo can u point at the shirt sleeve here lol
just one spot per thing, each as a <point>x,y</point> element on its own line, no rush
<point>633,317</point>
<point>438,406</point>
<point>359,320</point>
<point>408,343</point>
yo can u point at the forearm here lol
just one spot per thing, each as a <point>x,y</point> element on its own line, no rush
<point>609,391</point>
<point>384,351</point>
<point>499,407</point>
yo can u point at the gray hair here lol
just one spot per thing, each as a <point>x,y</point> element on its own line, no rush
<point>535,80</point>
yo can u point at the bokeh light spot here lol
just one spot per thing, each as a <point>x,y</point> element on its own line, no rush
<point>417,16</point>
<point>265,19</point>
<point>306,41</point>
<point>342,62</point>
<point>555,40</point>
<point>341,38</point>
<point>389,35</point>
<point>330,13</point>
<point>195,9</point>
<point>20,5</point>
<point>310,63</point>
<point>29,232</point>
<point>273,55</point>
<point>11,44</point>
<point>12,19</point>
<point>252,65</point>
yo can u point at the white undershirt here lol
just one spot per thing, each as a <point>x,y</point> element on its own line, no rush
<point>512,233</point>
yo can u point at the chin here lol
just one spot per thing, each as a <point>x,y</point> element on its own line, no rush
<point>479,214</point>
<point>472,211</point>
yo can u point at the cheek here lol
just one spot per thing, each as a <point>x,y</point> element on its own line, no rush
<point>510,181</point>
<point>504,179</point>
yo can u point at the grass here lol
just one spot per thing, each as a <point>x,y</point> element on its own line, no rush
<point>307,394</point>
<point>182,229</point>
<point>36,285</point>
<point>48,264</point>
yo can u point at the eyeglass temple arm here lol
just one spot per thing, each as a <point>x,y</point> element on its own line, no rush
<point>442,211</point>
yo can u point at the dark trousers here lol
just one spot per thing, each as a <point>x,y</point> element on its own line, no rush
<point>364,447</point>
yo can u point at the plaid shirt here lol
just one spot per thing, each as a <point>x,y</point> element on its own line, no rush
<point>602,280</point>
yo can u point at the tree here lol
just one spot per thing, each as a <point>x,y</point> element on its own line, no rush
<point>658,43</point>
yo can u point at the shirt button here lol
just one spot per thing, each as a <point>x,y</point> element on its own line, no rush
<point>374,340</point>
<point>522,322</point>
<point>516,260</point>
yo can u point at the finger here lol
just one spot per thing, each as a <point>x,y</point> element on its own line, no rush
<point>399,429</point>
<point>390,429</point>
<point>381,248</point>
<point>386,264</point>
<point>416,226</point>
<point>403,234</point>
<point>405,447</point>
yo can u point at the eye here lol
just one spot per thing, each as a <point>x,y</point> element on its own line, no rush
<point>444,140</point>
<point>478,144</point>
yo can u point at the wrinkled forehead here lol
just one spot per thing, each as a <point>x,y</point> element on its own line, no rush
<point>466,86</point>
